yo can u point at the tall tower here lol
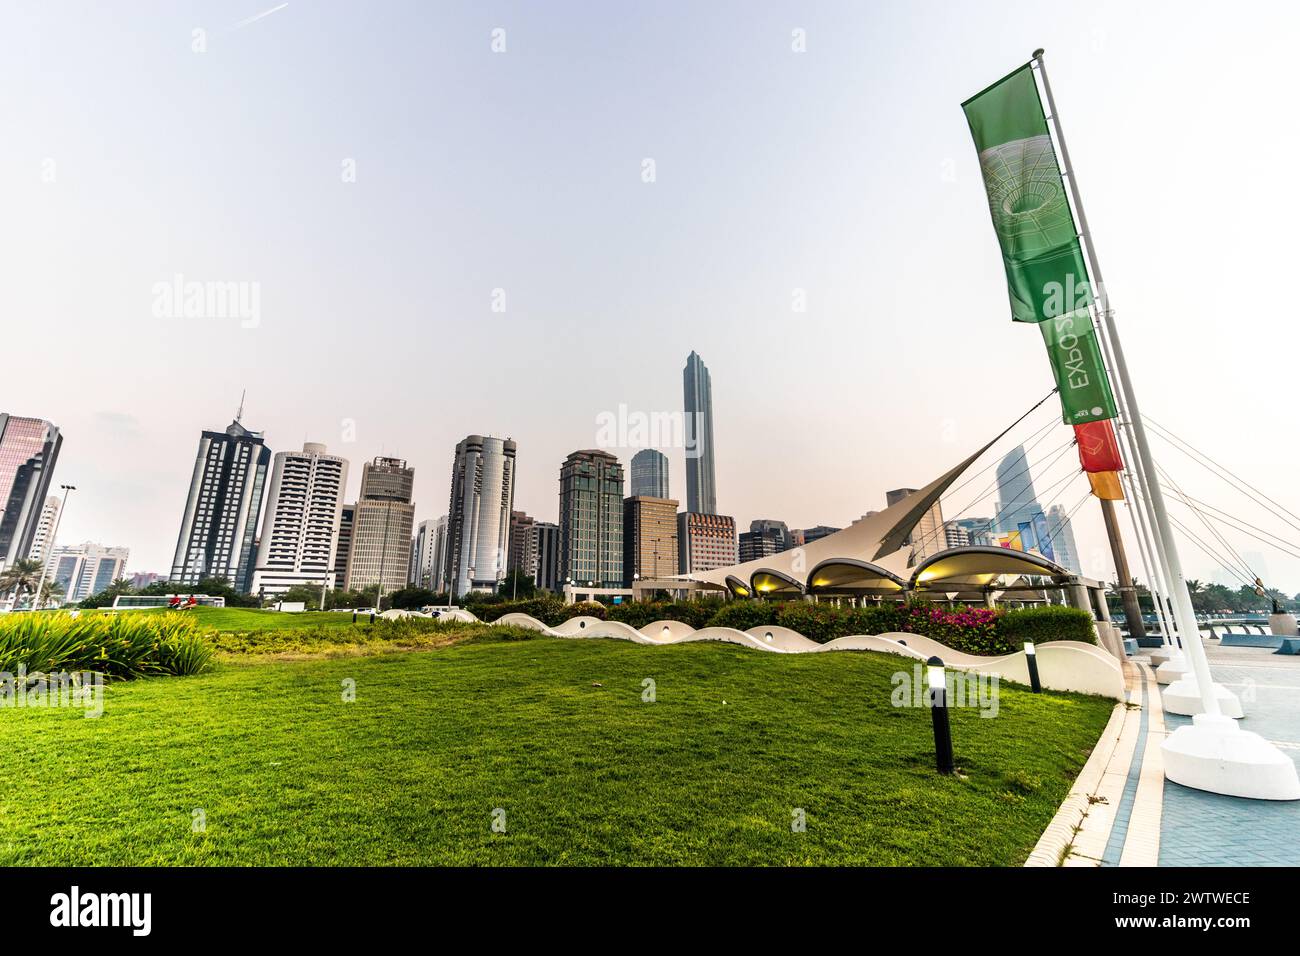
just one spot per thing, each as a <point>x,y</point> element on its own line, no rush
<point>381,526</point>
<point>1017,500</point>
<point>591,518</point>
<point>1061,536</point>
<point>221,512</point>
<point>478,519</point>
<point>300,532</point>
<point>29,448</point>
<point>701,490</point>
<point>649,474</point>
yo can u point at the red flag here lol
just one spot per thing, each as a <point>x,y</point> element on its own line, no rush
<point>1098,449</point>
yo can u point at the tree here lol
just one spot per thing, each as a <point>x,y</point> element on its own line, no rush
<point>20,578</point>
<point>51,593</point>
<point>411,598</point>
<point>517,584</point>
<point>106,597</point>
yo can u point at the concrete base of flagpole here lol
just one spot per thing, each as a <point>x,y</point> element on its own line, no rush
<point>1183,697</point>
<point>1173,669</point>
<point>1216,755</point>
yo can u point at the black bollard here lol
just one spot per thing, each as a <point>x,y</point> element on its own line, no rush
<point>939,716</point>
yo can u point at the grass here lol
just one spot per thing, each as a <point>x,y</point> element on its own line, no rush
<point>555,733</point>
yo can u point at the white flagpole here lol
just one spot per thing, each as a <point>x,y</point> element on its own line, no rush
<point>1213,754</point>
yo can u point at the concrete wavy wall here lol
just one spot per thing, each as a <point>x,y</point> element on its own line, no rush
<point>1062,665</point>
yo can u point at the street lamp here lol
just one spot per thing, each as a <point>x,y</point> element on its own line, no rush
<point>939,715</point>
<point>49,547</point>
<point>1031,659</point>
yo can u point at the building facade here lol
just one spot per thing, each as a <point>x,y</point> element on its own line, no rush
<point>927,536</point>
<point>86,569</point>
<point>1017,501</point>
<point>979,531</point>
<point>701,485</point>
<point>705,542</point>
<point>649,538</point>
<point>478,519</point>
<point>804,536</point>
<point>380,553</point>
<point>591,519</point>
<point>649,475</point>
<point>430,552</point>
<point>523,545</point>
<point>1061,540</point>
<point>546,538</point>
<point>300,529</point>
<point>219,524</point>
<point>347,518</point>
<point>45,528</point>
<point>29,450</point>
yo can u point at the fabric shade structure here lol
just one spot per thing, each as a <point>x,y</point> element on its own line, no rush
<point>976,568</point>
<point>875,544</point>
<point>851,576</point>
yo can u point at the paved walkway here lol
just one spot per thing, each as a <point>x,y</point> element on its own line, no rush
<point>1123,812</point>
<point>1206,829</point>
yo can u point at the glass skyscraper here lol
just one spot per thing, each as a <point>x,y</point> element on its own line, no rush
<point>701,489</point>
<point>649,475</point>
<point>29,448</point>
<point>591,519</point>
<point>478,520</point>
<point>1017,500</point>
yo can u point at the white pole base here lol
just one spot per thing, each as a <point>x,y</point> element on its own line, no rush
<point>1216,755</point>
<point>1173,669</point>
<point>1183,697</point>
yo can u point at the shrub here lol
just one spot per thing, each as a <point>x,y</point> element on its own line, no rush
<point>875,619</point>
<point>817,622</point>
<point>125,645</point>
<point>1049,622</point>
<point>969,629</point>
<point>742,615</point>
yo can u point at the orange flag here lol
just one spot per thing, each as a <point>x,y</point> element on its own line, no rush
<point>1105,484</point>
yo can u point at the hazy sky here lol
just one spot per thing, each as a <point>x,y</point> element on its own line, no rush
<point>845,171</point>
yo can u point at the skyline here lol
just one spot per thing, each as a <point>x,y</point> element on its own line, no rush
<point>862,193</point>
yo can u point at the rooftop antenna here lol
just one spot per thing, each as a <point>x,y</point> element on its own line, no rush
<point>240,414</point>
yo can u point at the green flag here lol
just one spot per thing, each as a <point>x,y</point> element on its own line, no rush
<point>1076,362</point>
<point>1046,276</point>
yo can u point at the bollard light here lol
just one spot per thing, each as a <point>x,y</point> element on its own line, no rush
<point>1031,659</point>
<point>939,716</point>
<point>354,616</point>
<point>667,631</point>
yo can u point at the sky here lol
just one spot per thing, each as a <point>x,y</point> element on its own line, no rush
<point>516,219</point>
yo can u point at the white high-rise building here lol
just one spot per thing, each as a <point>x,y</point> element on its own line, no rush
<point>478,521</point>
<point>300,530</point>
<point>45,529</point>
<point>86,569</point>
<point>430,553</point>
<point>221,511</point>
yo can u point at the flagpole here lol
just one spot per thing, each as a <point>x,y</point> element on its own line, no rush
<point>1145,466</point>
<point>1213,754</point>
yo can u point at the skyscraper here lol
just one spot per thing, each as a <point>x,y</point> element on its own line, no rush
<point>546,536</point>
<point>221,512</point>
<point>649,474</point>
<point>300,530</point>
<point>381,527</point>
<point>347,517</point>
<point>649,538</point>
<point>86,569</point>
<point>29,449</point>
<point>1017,500</point>
<point>523,557</point>
<point>701,488</point>
<point>478,520</point>
<point>591,518</point>
<point>1061,537</point>
<point>927,535</point>
<point>430,545</point>
<point>705,542</point>
<point>43,539</point>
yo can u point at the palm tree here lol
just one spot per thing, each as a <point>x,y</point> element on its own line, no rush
<point>51,593</point>
<point>20,577</point>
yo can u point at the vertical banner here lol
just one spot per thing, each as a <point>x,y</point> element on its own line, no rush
<point>1047,280</point>
<point>1098,447</point>
<point>1044,537</point>
<point>1106,484</point>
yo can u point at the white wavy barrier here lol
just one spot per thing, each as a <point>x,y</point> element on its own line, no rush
<point>1062,665</point>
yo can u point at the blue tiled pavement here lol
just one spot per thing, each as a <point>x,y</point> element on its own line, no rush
<point>1206,829</point>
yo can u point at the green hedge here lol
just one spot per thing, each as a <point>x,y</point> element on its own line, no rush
<point>1051,622</point>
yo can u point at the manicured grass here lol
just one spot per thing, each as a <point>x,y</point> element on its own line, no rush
<point>245,619</point>
<point>555,733</point>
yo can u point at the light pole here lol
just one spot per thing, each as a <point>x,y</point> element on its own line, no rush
<point>49,547</point>
<point>938,682</point>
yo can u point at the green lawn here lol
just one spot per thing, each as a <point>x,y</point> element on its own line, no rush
<point>247,619</point>
<point>555,733</point>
